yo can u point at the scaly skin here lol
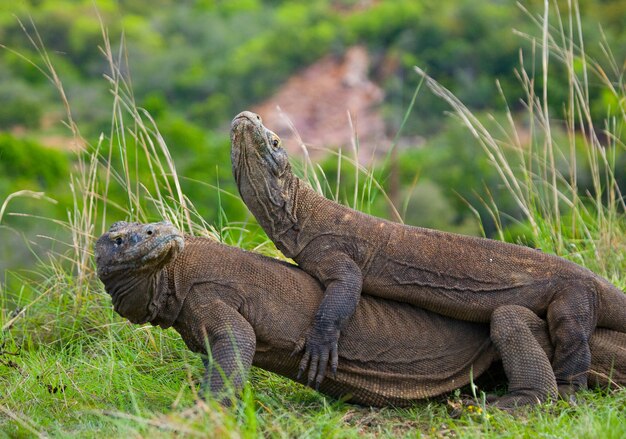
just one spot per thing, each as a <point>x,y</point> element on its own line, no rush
<point>458,276</point>
<point>251,309</point>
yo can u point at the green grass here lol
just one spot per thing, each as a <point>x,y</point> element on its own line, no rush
<point>69,366</point>
<point>112,379</point>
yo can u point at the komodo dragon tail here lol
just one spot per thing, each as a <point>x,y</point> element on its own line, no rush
<point>612,306</point>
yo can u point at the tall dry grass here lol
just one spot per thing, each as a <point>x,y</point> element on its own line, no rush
<point>539,161</point>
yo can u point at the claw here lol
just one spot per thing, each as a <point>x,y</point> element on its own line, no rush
<point>334,361</point>
<point>303,364</point>
<point>318,352</point>
<point>323,364</point>
<point>318,382</point>
<point>312,370</point>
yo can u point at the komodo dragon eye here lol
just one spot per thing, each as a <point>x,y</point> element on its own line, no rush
<point>275,142</point>
<point>118,241</point>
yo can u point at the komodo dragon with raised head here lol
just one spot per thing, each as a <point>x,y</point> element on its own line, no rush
<point>251,309</point>
<point>463,277</point>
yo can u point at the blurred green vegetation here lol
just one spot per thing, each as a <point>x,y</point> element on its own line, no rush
<point>206,60</point>
<point>27,165</point>
<point>195,64</point>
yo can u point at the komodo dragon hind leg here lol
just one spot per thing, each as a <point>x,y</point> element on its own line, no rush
<point>526,364</point>
<point>571,317</point>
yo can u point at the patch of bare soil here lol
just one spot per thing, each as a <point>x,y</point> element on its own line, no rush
<point>317,102</point>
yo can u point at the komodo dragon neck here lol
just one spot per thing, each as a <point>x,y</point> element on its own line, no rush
<point>279,200</point>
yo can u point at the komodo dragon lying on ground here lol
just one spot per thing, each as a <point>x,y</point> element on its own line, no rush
<point>463,277</point>
<point>253,310</point>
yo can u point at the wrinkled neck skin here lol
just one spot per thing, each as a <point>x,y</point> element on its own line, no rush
<point>274,201</point>
<point>138,295</point>
<point>279,200</point>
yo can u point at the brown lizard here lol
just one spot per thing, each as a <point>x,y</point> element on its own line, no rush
<point>243,308</point>
<point>463,277</point>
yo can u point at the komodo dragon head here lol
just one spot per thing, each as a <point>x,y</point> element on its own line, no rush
<point>256,150</point>
<point>128,258</point>
<point>263,174</point>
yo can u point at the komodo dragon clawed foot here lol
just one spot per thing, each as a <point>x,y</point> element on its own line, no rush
<point>319,351</point>
<point>568,391</point>
<point>510,402</point>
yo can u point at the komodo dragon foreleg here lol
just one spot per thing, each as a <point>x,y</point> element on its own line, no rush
<point>230,344</point>
<point>342,279</point>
